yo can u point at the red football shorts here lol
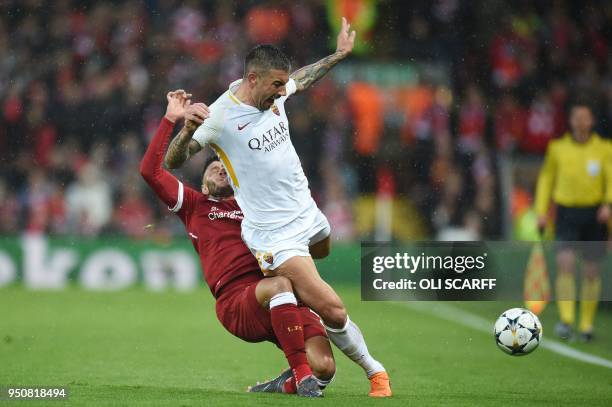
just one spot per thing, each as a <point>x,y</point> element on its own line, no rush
<point>241,314</point>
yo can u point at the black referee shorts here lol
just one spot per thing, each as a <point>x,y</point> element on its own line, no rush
<point>578,229</point>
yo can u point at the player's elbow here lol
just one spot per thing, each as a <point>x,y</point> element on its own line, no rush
<point>145,171</point>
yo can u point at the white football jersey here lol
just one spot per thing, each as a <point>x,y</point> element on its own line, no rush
<point>256,150</point>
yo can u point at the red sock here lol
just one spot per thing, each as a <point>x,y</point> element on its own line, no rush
<point>289,386</point>
<point>289,331</point>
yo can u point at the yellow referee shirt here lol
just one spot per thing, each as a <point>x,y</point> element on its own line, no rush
<point>575,174</point>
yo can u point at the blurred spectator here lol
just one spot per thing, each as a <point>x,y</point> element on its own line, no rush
<point>89,201</point>
<point>510,122</point>
<point>132,213</point>
<point>472,120</point>
<point>541,124</point>
<point>336,204</point>
<point>188,24</point>
<point>36,198</point>
<point>267,24</point>
<point>504,54</point>
<point>9,210</point>
<point>447,212</point>
<point>469,230</point>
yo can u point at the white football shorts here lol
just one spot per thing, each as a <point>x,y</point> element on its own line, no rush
<point>272,248</point>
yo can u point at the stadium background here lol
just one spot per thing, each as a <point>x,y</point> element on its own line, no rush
<point>434,128</point>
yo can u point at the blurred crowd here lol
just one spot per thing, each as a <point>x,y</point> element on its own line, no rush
<point>83,84</point>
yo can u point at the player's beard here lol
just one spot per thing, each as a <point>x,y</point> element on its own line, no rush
<point>219,191</point>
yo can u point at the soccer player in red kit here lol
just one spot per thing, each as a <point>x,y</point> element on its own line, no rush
<point>248,305</point>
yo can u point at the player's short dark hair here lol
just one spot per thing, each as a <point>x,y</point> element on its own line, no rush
<point>265,57</point>
<point>209,160</point>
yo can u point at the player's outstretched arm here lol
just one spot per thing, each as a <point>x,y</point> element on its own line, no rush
<point>161,181</point>
<point>306,76</point>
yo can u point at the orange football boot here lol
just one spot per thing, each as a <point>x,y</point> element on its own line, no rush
<point>380,386</point>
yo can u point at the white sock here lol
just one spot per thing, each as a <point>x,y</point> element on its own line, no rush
<point>323,383</point>
<point>350,341</point>
<point>282,299</point>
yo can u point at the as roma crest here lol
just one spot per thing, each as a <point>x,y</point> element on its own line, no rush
<point>268,258</point>
<point>265,261</point>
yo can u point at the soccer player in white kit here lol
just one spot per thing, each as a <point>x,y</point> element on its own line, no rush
<point>282,226</point>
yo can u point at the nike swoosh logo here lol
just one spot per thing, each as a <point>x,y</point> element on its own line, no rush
<point>242,127</point>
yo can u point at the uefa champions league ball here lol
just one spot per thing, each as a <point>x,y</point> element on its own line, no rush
<point>518,332</point>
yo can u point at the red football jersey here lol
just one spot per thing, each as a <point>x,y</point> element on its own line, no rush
<point>213,226</point>
<point>214,229</point>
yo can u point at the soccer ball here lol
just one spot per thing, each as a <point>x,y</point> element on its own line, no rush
<point>518,332</point>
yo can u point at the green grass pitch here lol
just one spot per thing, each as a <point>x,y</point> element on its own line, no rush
<point>142,348</point>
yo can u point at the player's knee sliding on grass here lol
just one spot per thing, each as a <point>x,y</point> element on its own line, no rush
<point>311,367</point>
<point>321,361</point>
<point>306,358</point>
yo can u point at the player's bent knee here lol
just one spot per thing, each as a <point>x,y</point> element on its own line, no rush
<point>271,286</point>
<point>280,284</point>
<point>324,367</point>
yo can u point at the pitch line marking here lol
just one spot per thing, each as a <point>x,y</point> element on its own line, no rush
<point>465,318</point>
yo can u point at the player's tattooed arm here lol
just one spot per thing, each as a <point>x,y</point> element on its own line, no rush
<point>183,147</point>
<point>306,76</point>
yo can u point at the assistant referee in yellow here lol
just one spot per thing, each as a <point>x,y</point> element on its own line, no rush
<point>577,177</point>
